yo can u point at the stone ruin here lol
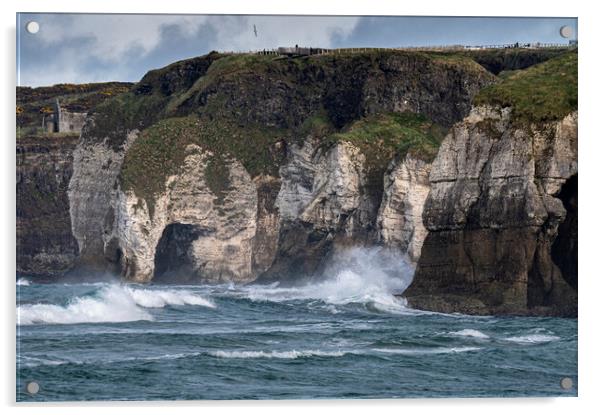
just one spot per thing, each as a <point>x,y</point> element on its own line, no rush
<point>62,121</point>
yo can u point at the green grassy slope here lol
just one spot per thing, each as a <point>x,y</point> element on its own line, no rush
<point>543,92</point>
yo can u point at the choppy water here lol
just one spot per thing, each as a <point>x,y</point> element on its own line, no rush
<point>347,337</point>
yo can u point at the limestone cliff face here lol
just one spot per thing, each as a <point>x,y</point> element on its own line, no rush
<point>191,235</point>
<point>92,190</point>
<point>406,187</point>
<point>321,202</point>
<point>275,228</point>
<point>497,202</point>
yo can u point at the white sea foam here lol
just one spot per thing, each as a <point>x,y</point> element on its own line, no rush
<point>436,350</point>
<point>470,333</point>
<point>287,354</point>
<point>167,356</point>
<point>30,361</point>
<point>111,304</point>
<point>533,338</point>
<point>160,298</point>
<point>23,281</point>
<point>358,275</point>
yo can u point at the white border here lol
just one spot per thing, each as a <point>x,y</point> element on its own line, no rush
<point>590,152</point>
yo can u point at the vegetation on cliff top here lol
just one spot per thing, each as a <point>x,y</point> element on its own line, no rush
<point>160,151</point>
<point>384,136</point>
<point>114,118</point>
<point>33,103</point>
<point>510,59</point>
<point>543,92</point>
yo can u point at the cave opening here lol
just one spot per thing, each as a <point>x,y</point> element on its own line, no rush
<point>564,249</point>
<point>174,262</point>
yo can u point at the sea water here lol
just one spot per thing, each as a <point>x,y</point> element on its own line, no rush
<point>346,336</point>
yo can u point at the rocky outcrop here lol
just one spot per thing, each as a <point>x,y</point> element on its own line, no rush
<point>191,235</point>
<point>285,92</point>
<point>265,242</point>
<point>493,214</point>
<point>298,195</point>
<point>45,245</point>
<point>322,202</point>
<point>92,190</point>
<point>406,187</point>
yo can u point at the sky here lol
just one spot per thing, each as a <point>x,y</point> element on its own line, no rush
<point>78,48</point>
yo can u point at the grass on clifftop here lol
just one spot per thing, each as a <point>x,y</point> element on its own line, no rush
<point>543,92</point>
<point>33,103</point>
<point>384,136</point>
<point>160,151</point>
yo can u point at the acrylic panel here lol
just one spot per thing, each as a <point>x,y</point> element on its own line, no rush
<point>216,207</point>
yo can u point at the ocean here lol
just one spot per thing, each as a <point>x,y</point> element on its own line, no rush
<point>341,338</point>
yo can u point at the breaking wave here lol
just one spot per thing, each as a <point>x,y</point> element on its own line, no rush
<point>110,304</point>
<point>30,361</point>
<point>161,298</point>
<point>23,282</point>
<point>437,350</point>
<point>470,333</point>
<point>290,354</point>
<point>533,338</point>
<point>371,277</point>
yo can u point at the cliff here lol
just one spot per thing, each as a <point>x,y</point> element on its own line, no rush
<point>249,168</point>
<point>45,245</point>
<point>255,166</point>
<point>502,211</point>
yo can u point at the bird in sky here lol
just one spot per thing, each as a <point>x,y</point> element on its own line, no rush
<point>255,30</point>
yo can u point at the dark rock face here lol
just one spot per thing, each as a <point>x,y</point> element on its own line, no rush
<point>173,261</point>
<point>286,92</point>
<point>268,223</point>
<point>176,77</point>
<point>46,247</point>
<point>564,249</point>
<point>500,196</point>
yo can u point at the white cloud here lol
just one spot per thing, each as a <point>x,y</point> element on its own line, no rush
<point>113,35</point>
<point>118,42</point>
<point>67,67</point>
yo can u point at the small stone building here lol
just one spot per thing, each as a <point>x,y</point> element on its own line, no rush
<point>61,121</point>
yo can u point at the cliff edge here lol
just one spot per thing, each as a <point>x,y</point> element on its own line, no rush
<point>502,211</point>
